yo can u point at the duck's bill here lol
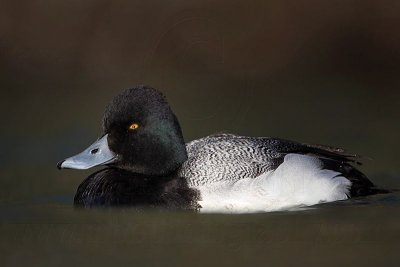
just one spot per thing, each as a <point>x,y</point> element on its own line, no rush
<point>97,154</point>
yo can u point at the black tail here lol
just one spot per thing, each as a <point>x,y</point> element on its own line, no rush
<point>338,160</point>
<point>360,184</point>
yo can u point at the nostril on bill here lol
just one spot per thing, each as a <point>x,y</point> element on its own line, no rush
<point>94,151</point>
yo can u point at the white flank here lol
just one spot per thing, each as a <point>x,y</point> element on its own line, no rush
<point>298,181</point>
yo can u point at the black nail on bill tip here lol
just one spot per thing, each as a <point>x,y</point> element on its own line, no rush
<point>59,164</point>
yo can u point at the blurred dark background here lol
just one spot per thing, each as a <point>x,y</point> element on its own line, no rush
<point>314,71</point>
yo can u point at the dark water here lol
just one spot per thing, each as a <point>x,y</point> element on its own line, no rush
<point>362,232</point>
<point>324,72</point>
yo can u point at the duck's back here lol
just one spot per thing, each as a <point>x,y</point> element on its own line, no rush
<point>227,157</point>
<point>230,158</point>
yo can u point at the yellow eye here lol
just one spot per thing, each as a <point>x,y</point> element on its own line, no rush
<point>133,126</point>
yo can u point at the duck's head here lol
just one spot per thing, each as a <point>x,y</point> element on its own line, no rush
<point>140,134</point>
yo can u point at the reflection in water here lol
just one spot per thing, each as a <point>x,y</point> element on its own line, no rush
<point>359,231</point>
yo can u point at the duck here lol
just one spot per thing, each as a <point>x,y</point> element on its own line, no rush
<point>147,164</point>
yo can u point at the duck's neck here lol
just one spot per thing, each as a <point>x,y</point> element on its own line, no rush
<point>117,187</point>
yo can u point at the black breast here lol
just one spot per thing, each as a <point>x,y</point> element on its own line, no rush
<point>116,187</point>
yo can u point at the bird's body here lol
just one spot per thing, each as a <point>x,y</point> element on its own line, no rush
<point>151,166</point>
<point>240,173</point>
<point>116,187</point>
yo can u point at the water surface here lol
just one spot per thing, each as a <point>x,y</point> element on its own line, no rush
<point>364,231</point>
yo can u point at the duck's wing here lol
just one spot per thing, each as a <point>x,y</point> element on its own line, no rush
<point>226,157</point>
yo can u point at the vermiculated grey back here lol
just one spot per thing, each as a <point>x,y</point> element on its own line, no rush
<point>227,157</point>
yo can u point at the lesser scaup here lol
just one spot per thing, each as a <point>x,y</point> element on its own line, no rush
<point>149,165</point>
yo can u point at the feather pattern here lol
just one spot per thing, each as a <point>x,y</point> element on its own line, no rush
<point>249,174</point>
<point>228,157</point>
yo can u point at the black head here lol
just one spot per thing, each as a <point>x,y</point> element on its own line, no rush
<point>140,134</point>
<point>143,132</point>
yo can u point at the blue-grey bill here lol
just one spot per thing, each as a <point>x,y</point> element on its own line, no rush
<point>96,154</point>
